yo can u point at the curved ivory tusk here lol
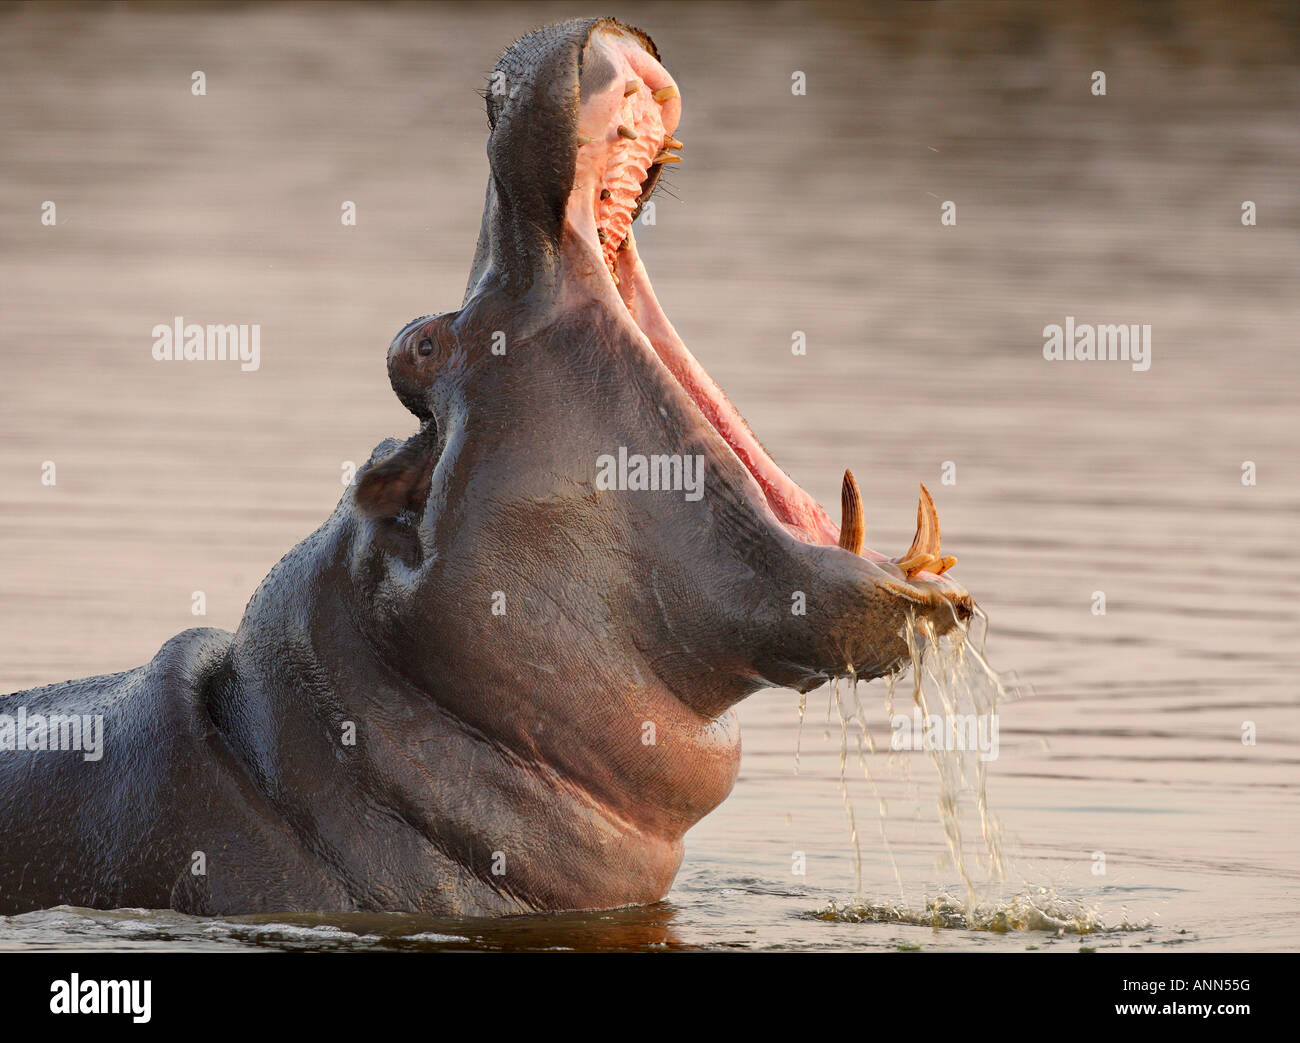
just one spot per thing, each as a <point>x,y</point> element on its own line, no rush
<point>853,526</point>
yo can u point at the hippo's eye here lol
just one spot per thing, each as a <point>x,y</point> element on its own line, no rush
<point>425,347</point>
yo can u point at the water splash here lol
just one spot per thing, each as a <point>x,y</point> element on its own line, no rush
<point>1040,910</point>
<point>950,678</point>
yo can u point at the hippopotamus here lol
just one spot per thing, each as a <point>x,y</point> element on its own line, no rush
<point>501,678</point>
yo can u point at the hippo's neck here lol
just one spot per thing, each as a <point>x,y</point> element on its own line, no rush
<point>411,805</point>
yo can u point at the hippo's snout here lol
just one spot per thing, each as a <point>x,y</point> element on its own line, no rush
<point>858,611</point>
<point>918,575</point>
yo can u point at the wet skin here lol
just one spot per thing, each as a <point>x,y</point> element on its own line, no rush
<point>375,736</point>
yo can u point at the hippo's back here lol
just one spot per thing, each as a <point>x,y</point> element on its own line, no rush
<point>119,791</point>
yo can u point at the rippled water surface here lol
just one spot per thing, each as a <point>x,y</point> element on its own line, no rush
<point>1122,747</point>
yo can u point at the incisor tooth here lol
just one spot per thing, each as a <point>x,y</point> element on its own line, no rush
<point>666,157</point>
<point>627,132</point>
<point>664,93</point>
<point>853,529</point>
<point>631,87</point>
<point>671,142</point>
<point>584,140</point>
<point>923,555</point>
<point>926,540</point>
<point>919,563</point>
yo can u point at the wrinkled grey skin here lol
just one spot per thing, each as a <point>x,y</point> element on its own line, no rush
<point>550,757</point>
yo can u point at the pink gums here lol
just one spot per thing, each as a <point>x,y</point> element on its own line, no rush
<point>629,162</point>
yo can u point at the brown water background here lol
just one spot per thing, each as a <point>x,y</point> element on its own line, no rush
<point>817,213</point>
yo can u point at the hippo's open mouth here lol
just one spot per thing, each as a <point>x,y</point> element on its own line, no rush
<point>625,139</point>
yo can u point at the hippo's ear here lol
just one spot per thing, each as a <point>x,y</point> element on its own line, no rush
<point>399,483</point>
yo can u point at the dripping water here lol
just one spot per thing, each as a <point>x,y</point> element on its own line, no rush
<point>950,675</point>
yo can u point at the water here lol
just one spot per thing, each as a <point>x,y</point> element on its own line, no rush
<point>1125,740</point>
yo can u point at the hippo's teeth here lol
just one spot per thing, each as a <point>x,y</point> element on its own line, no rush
<point>664,93</point>
<point>671,142</point>
<point>605,193</point>
<point>665,156</point>
<point>918,563</point>
<point>853,527</point>
<point>602,235</point>
<point>923,554</point>
<point>627,132</point>
<point>631,87</point>
<point>584,140</point>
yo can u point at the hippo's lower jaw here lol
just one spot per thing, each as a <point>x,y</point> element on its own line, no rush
<point>625,138</point>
